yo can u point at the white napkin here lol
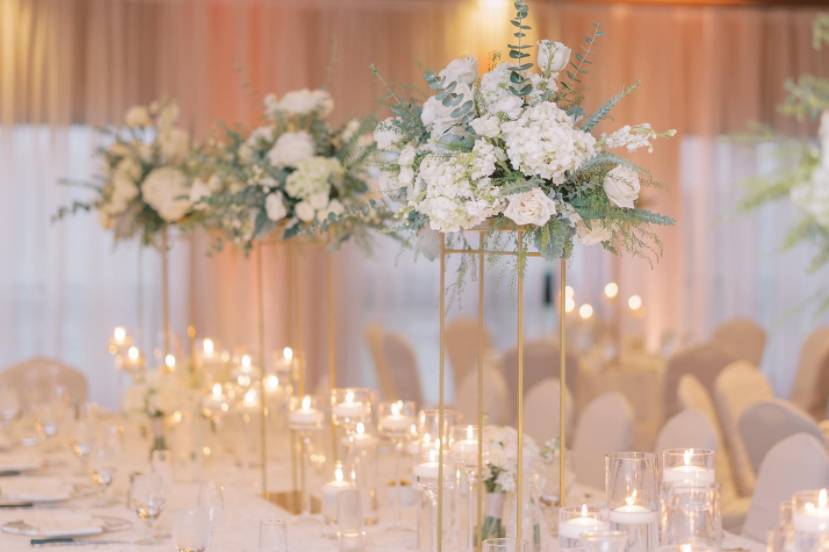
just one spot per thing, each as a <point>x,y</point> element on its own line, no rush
<point>37,489</point>
<point>56,523</point>
<point>19,461</point>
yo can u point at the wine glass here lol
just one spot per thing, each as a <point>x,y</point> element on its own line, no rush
<point>102,468</point>
<point>273,536</point>
<point>83,438</point>
<point>148,497</point>
<point>211,499</point>
<point>191,530</point>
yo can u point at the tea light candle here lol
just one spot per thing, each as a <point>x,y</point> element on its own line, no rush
<point>250,400</point>
<point>427,472</point>
<point>632,513</point>
<point>350,408</point>
<point>574,527</point>
<point>330,491</point>
<point>271,384</point>
<point>396,422</point>
<point>688,473</point>
<point>813,518</point>
<point>135,361</point>
<point>285,361</point>
<point>361,440</point>
<point>465,451</point>
<point>306,415</point>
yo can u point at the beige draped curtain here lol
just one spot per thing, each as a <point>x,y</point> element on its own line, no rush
<point>703,70</point>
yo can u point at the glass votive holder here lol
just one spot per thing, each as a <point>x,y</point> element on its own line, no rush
<point>810,520</point>
<point>690,514</point>
<point>330,493</point>
<point>395,419</point>
<point>191,530</point>
<point>573,521</point>
<point>604,541</point>
<point>463,446</point>
<point>350,532</point>
<point>273,535</point>
<point>633,498</point>
<point>350,406</point>
<point>428,424</point>
<point>306,413</point>
<point>689,466</point>
<point>503,544</point>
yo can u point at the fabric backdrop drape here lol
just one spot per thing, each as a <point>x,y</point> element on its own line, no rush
<point>704,70</point>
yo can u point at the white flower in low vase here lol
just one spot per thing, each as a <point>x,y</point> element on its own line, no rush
<point>515,148</point>
<point>156,398</point>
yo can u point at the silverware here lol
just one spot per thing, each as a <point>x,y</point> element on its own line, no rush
<point>76,541</point>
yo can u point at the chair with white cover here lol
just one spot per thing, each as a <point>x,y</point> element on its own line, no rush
<point>768,422</point>
<point>797,463</point>
<point>542,409</point>
<point>742,338</point>
<point>402,366</point>
<point>605,425</point>
<point>498,404</point>
<point>704,362</point>
<point>541,360</point>
<point>462,345</point>
<point>40,379</point>
<point>688,429</point>
<point>374,339</point>
<point>739,387</point>
<point>811,384</point>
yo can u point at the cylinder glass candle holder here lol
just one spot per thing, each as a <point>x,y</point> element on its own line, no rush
<point>573,521</point>
<point>690,514</point>
<point>810,520</point>
<point>604,541</point>
<point>351,534</point>
<point>428,425</point>
<point>633,498</point>
<point>688,466</point>
<point>463,452</point>
<point>426,474</point>
<point>362,461</point>
<point>350,406</point>
<point>306,413</point>
<point>503,544</point>
<point>330,493</point>
<point>395,419</point>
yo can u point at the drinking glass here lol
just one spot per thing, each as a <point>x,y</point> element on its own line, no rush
<point>633,498</point>
<point>691,514</point>
<point>396,419</point>
<point>273,536</point>
<point>350,531</point>
<point>148,496</point>
<point>604,541</point>
<point>102,468</point>
<point>211,498</point>
<point>83,438</point>
<point>504,544</point>
<point>191,530</point>
<point>161,462</point>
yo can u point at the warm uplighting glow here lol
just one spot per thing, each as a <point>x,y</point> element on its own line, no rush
<point>216,392</point>
<point>569,304</point>
<point>611,290</point>
<point>586,311</point>
<point>271,383</point>
<point>635,302</point>
<point>288,354</point>
<point>170,361</point>
<point>119,335</point>
<point>208,346</point>
<point>133,353</point>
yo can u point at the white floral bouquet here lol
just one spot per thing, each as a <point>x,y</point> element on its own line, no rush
<point>146,185</point>
<point>515,146</point>
<point>157,397</point>
<point>806,181</point>
<point>294,175</point>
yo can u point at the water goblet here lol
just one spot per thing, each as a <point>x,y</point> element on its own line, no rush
<point>211,499</point>
<point>191,530</point>
<point>148,497</point>
<point>102,469</point>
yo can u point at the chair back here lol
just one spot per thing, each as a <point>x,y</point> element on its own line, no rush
<point>770,421</point>
<point>541,360</point>
<point>811,384</point>
<point>797,463</point>
<point>704,362</point>
<point>374,339</point>
<point>498,403</point>
<point>41,379</point>
<point>463,344</point>
<point>606,425</point>
<point>542,409</point>
<point>739,387</point>
<point>688,429</point>
<point>742,338</point>
<point>402,368</point>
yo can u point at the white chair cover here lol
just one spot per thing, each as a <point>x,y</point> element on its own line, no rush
<point>498,405</point>
<point>541,360</point>
<point>402,367</point>
<point>40,379</point>
<point>811,384</point>
<point>739,387</point>
<point>606,425</point>
<point>741,338</point>
<point>543,413</point>
<point>797,463</point>
<point>705,362</point>
<point>768,422</point>
<point>688,429</point>
<point>693,396</point>
<point>462,345</point>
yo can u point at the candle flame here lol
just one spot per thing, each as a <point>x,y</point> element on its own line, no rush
<point>338,473</point>
<point>631,500</point>
<point>119,334</point>
<point>217,391</point>
<point>611,290</point>
<point>470,433</point>
<point>271,383</point>
<point>361,428</point>
<point>246,362</point>
<point>208,346</point>
<point>250,397</point>
<point>584,512</point>
<point>396,408</point>
<point>133,353</point>
<point>686,456</point>
<point>822,498</point>
<point>586,311</point>
<point>288,354</point>
<point>170,362</point>
<point>306,403</point>
<point>349,396</point>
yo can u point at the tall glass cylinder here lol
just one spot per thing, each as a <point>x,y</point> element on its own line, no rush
<point>463,450</point>
<point>688,466</point>
<point>810,520</point>
<point>426,475</point>
<point>633,498</point>
<point>394,422</point>
<point>574,521</point>
<point>690,514</point>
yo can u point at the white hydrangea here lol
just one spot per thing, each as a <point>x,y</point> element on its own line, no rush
<point>543,88</point>
<point>496,94</point>
<point>461,70</point>
<point>813,196</point>
<point>621,184</point>
<point>530,207</point>
<point>291,148</point>
<point>544,142</point>
<point>487,126</point>
<point>275,207</point>
<point>501,456</point>
<point>437,117</point>
<point>304,211</point>
<point>298,103</point>
<point>314,175</point>
<point>167,190</point>
<point>387,134</point>
<point>631,138</point>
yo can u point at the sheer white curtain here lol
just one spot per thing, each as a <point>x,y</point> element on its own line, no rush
<point>64,286</point>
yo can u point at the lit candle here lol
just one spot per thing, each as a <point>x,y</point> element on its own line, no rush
<point>216,392</point>
<point>586,311</point>
<point>688,473</point>
<point>250,400</point>
<point>361,440</point>
<point>428,471</point>
<point>611,290</point>
<point>634,303</point>
<point>330,491</point>
<point>350,408</point>
<point>306,416</point>
<point>574,527</point>
<point>396,421</point>
<point>119,335</point>
<point>813,518</point>
<point>465,451</point>
<point>271,384</point>
<point>170,362</point>
<point>632,513</point>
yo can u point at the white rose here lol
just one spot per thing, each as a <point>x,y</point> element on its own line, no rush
<point>531,207</point>
<point>438,117</point>
<point>304,211</point>
<point>200,190</point>
<point>167,191</point>
<point>304,102</point>
<point>461,70</point>
<point>333,208</point>
<point>319,200</point>
<point>275,207</point>
<point>552,56</point>
<point>597,233</point>
<point>174,143</point>
<point>488,126</point>
<point>621,185</point>
<point>291,148</point>
<point>137,117</point>
<point>407,156</point>
<point>387,134</point>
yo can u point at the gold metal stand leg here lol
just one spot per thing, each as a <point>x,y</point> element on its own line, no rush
<point>331,340</point>
<point>562,378</point>
<point>165,291</point>
<point>479,512</point>
<point>519,486</point>
<point>442,391</point>
<point>263,397</point>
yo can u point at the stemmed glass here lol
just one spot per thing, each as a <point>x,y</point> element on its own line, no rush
<point>102,468</point>
<point>148,497</point>
<point>211,499</point>
<point>305,418</point>
<point>191,530</point>
<point>273,536</point>
<point>395,422</point>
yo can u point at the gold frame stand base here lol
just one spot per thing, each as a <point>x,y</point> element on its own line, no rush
<point>291,502</point>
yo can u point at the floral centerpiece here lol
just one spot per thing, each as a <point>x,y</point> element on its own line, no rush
<point>293,175</point>
<point>515,147</point>
<point>157,397</point>
<point>805,182</point>
<point>145,184</point>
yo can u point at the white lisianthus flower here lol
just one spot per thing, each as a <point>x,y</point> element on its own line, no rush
<point>314,175</point>
<point>334,207</point>
<point>461,70</point>
<point>304,211</point>
<point>621,184</point>
<point>552,56</point>
<point>174,143</point>
<point>497,96</point>
<point>544,142</point>
<point>530,207</point>
<point>487,126</point>
<point>275,207</point>
<point>291,148</point>
<point>484,158</point>
<point>438,117</point>
<point>813,196</point>
<point>124,188</point>
<point>167,190</point>
<point>302,102</point>
<point>597,233</point>
<point>137,117</point>
<point>387,134</point>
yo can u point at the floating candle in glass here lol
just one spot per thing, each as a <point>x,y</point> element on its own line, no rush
<point>688,466</point>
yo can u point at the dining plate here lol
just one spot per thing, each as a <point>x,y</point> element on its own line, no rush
<point>30,489</point>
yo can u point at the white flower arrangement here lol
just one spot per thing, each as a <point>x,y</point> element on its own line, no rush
<point>146,184</point>
<point>159,395</point>
<point>293,175</point>
<point>501,457</point>
<point>515,146</point>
